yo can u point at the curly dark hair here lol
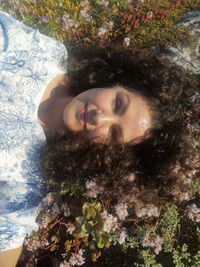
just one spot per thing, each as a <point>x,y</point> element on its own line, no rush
<point>161,163</point>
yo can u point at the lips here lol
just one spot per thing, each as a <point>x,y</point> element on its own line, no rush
<point>82,117</point>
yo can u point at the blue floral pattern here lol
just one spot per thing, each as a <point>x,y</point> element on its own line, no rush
<point>27,65</point>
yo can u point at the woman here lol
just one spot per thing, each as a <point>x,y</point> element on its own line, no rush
<point>150,172</point>
<point>33,89</point>
<point>39,73</point>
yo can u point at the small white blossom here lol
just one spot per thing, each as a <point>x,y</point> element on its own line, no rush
<point>121,211</point>
<point>85,15</point>
<point>110,222</point>
<point>193,213</point>
<point>151,211</point>
<point>102,31</point>
<point>109,25</point>
<point>70,228</point>
<point>66,210</point>
<point>104,3</point>
<point>84,12</point>
<point>127,41</point>
<point>46,220</point>
<point>67,22</point>
<point>105,28</point>
<point>150,14</point>
<point>93,189</point>
<point>184,196</point>
<point>48,200</point>
<point>85,4</point>
<point>77,259</point>
<point>155,243</point>
<point>122,237</point>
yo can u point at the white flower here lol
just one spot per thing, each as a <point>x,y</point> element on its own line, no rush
<point>102,31</point>
<point>85,15</point>
<point>90,184</point>
<point>193,213</point>
<point>109,25</point>
<point>127,41</point>
<point>48,200</point>
<point>122,237</point>
<point>105,28</point>
<point>104,3</point>
<point>66,210</point>
<point>130,177</point>
<point>184,196</point>
<point>93,189</point>
<point>85,4</point>
<point>150,14</point>
<point>77,259</point>
<point>110,222</point>
<point>67,22</point>
<point>151,211</point>
<point>121,211</point>
<point>70,228</point>
<point>155,243</point>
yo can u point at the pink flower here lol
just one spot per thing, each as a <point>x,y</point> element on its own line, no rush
<point>155,243</point>
<point>121,211</point>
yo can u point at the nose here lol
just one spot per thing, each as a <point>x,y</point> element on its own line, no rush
<point>98,118</point>
<point>103,118</point>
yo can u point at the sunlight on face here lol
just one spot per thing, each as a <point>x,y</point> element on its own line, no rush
<point>109,114</point>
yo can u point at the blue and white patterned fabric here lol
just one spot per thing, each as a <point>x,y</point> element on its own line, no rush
<point>188,56</point>
<point>28,62</point>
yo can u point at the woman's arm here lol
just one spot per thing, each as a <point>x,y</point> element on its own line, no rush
<point>10,257</point>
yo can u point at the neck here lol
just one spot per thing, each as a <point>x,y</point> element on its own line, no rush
<point>51,119</point>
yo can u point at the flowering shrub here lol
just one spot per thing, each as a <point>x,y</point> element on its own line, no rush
<point>142,23</point>
<point>81,229</point>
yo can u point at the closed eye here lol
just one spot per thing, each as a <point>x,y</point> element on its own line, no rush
<point>118,103</point>
<point>121,103</point>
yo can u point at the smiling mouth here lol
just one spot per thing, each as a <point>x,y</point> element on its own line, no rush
<point>83,117</point>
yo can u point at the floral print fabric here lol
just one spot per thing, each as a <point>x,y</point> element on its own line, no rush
<point>28,62</point>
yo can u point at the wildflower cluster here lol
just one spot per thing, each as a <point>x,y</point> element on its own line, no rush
<point>80,229</point>
<point>129,23</point>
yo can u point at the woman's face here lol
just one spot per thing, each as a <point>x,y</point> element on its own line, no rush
<point>109,114</point>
